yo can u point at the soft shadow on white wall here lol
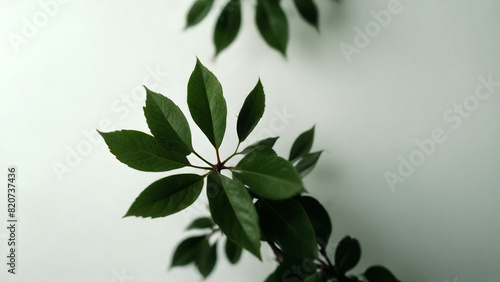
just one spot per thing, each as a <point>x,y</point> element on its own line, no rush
<point>81,69</point>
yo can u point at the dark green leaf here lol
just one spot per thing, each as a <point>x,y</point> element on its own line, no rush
<point>302,145</point>
<point>233,211</point>
<point>347,254</point>
<point>307,163</point>
<point>269,175</point>
<point>319,218</point>
<point>198,12</point>
<point>141,151</point>
<point>228,25</point>
<point>167,196</point>
<point>272,24</point>
<point>272,278</point>
<point>287,224</point>
<point>251,112</point>
<point>206,104</point>
<point>167,123</point>
<point>308,11</point>
<point>206,259</point>
<point>201,223</point>
<point>266,143</point>
<point>292,269</point>
<point>316,277</point>
<point>379,274</point>
<point>233,251</point>
<point>187,251</point>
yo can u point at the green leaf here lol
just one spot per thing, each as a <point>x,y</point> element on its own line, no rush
<point>187,251</point>
<point>206,104</point>
<point>167,196</point>
<point>228,25</point>
<point>167,123</point>
<point>292,269</point>
<point>251,112</point>
<point>319,218</point>
<point>316,277</point>
<point>269,175</point>
<point>265,143</point>
<point>347,254</point>
<point>233,211</point>
<point>287,224</point>
<point>141,151</point>
<point>206,259</point>
<point>233,251</point>
<point>379,274</point>
<point>272,278</point>
<point>302,145</point>
<point>201,223</point>
<point>272,24</point>
<point>307,163</point>
<point>198,12</point>
<point>308,11</point>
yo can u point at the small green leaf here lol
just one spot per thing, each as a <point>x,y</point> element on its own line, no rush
<point>265,143</point>
<point>287,224</point>
<point>379,274</point>
<point>198,12</point>
<point>187,251</point>
<point>347,254</point>
<point>302,145</point>
<point>167,196</point>
<point>141,151</point>
<point>316,277</point>
<point>272,24</point>
<point>228,25</point>
<point>207,104</point>
<point>251,112</point>
<point>201,223</point>
<point>233,251</point>
<point>269,175</point>
<point>206,259</point>
<point>233,211</point>
<point>319,218</point>
<point>307,163</point>
<point>167,123</point>
<point>308,11</point>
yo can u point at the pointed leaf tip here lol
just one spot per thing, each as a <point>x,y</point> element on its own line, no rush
<point>207,104</point>
<point>251,112</point>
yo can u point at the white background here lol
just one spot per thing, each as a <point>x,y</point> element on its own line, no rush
<point>76,71</point>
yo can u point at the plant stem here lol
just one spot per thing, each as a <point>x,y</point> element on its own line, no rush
<point>330,267</point>
<point>201,158</point>
<point>212,232</point>
<point>277,252</point>
<point>232,155</point>
<point>201,167</point>
<point>218,156</point>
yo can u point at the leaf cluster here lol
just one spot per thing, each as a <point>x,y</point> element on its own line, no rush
<point>260,199</point>
<point>270,19</point>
